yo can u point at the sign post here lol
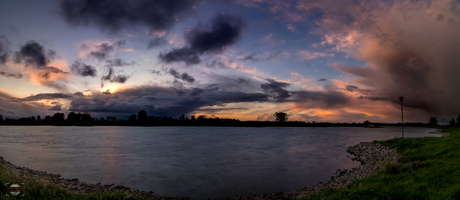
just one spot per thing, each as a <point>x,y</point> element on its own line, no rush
<point>402,116</point>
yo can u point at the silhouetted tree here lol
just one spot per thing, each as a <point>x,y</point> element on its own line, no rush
<point>86,117</point>
<point>452,122</point>
<point>193,118</point>
<point>201,118</point>
<point>367,122</point>
<point>47,119</point>
<point>280,117</point>
<point>132,118</point>
<point>458,121</point>
<point>110,118</point>
<point>58,118</point>
<point>72,117</point>
<point>142,116</point>
<point>433,121</point>
<point>1,118</point>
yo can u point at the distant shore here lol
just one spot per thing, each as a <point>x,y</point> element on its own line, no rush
<point>370,154</point>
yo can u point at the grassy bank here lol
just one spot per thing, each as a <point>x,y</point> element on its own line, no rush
<point>42,190</point>
<point>429,169</point>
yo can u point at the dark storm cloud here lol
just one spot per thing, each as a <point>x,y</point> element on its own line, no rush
<point>115,15</point>
<point>8,75</point>
<point>276,87</point>
<point>56,106</point>
<point>4,51</point>
<point>196,91</point>
<point>322,79</point>
<point>46,96</point>
<point>183,76</point>
<point>83,69</point>
<point>161,100</point>
<point>112,77</point>
<point>32,53</point>
<point>225,30</point>
<point>326,100</point>
<point>187,55</point>
<point>103,50</point>
<point>156,42</point>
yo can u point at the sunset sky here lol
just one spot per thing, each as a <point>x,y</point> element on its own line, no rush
<point>317,60</point>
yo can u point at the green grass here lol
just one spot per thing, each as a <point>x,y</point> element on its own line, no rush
<point>40,190</point>
<point>429,169</point>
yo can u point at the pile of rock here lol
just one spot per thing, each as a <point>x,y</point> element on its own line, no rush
<point>74,185</point>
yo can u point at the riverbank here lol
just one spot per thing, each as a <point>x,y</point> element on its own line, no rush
<point>374,157</point>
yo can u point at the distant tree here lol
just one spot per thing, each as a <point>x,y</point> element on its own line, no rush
<point>132,118</point>
<point>433,121</point>
<point>201,118</point>
<point>72,117</point>
<point>32,119</point>
<point>142,116</point>
<point>452,122</point>
<point>281,117</point>
<point>193,118</point>
<point>47,119</point>
<point>39,118</point>
<point>86,117</point>
<point>58,118</point>
<point>458,121</point>
<point>182,117</point>
<point>1,118</point>
<point>367,122</point>
<point>110,118</point>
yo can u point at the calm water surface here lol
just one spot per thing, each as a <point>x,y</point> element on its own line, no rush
<point>198,162</point>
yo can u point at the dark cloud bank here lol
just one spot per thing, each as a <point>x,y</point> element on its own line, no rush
<point>224,31</point>
<point>115,15</point>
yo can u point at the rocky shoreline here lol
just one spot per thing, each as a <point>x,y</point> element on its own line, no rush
<point>371,155</point>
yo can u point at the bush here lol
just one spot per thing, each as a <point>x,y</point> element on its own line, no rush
<point>393,168</point>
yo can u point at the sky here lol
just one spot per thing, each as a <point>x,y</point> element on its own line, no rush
<point>317,60</point>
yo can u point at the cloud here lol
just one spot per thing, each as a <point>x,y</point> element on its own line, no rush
<point>4,51</point>
<point>56,106</point>
<point>120,63</point>
<point>47,96</point>
<point>8,75</point>
<point>112,77</point>
<point>404,54</point>
<point>102,51</point>
<point>183,76</point>
<point>306,55</point>
<point>115,15</point>
<point>83,69</point>
<point>276,87</point>
<point>156,42</point>
<point>224,31</point>
<point>322,79</point>
<point>196,91</point>
<point>33,54</point>
<point>160,100</point>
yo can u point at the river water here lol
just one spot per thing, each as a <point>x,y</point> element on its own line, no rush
<point>197,162</point>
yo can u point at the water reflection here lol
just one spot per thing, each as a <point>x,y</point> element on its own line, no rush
<point>198,162</point>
